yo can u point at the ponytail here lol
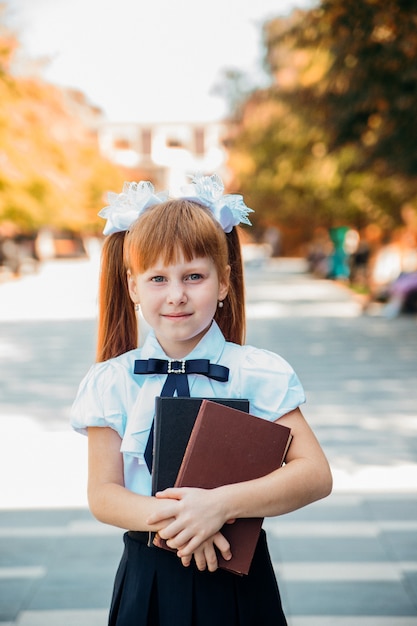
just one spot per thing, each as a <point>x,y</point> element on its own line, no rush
<point>231,318</point>
<point>117,325</point>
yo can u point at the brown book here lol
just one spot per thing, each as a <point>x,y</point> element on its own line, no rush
<point>229,446</point>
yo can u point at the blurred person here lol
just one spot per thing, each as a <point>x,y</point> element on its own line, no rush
<point>402,296</point>
<point>339,259</point>
<point>359,260</point>
<point>273,238</point>
<point>319,251</point>
<point>10,253</point>
<point>394,258</point>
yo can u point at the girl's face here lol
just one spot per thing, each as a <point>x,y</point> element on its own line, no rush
<point>179,301</point>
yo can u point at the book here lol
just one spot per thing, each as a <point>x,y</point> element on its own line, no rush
<point>174,421</point>
<point>229,446</point>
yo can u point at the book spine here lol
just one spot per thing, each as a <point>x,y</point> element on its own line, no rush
<point>155,451</point>
<point>286,449</point>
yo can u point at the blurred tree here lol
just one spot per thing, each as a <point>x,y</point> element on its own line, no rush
<point>52,173</point>
<point>333,140</point>
<point>368,94</point>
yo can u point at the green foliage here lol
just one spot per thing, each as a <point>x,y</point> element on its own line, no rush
<point>368,95</point>
<point>334,140</point>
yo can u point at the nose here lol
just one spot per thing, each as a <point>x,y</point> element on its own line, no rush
<point>176,293</point>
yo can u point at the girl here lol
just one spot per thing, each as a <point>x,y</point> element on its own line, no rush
<point>180,261</point>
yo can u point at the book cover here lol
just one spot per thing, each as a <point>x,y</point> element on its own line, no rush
<point>229,446</point>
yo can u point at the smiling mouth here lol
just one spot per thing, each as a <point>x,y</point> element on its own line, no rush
<point>176,315</point>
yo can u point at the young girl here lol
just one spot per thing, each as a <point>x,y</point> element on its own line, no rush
<point>180,261</point>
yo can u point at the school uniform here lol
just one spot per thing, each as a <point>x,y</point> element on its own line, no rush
<point>152,587</point>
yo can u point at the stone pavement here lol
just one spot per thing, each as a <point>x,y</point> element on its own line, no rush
<point>350,559</point>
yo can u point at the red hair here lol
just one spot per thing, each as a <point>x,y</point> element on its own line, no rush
<point>163,232</point>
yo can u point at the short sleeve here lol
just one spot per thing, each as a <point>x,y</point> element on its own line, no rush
<point>270,383</point>
<point>97,402</point>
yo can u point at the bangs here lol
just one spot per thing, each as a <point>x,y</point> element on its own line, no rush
<point>167,231</point>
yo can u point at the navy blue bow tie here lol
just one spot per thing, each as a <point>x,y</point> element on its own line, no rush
<point>177,371</point>
<point>177,381</point>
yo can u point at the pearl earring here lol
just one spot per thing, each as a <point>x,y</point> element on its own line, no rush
<point>220,305</point>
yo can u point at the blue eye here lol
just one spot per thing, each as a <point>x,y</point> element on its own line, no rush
<point>157,279</point>
<point>194,277</point>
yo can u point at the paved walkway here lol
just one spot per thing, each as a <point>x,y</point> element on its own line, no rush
<point>350,559</point>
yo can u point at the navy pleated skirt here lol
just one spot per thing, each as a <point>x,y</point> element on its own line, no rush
<point>153,588</point>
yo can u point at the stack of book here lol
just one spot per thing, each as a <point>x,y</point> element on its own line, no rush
<point>208,443</point>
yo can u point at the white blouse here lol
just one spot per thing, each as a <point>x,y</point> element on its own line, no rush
<point>112,395</point>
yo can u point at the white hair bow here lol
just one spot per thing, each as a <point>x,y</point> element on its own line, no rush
<point>229,210</point>
<point>124,208</point>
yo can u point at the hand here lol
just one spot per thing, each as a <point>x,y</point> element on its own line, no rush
<point>199,515</point>
<point>205,556</point>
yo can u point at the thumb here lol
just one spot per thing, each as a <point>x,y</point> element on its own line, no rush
<point>172,493</point>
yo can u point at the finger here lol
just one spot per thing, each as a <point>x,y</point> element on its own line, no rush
<point>223,546</point>
<point>164,513</point>
<point>211,558</point>
<point>160,522</point>
<point>183,541</point>
<point>186,560</point>
<point>188,546</point>
<point>200,560</point>
<point>176,533</point>
<point>170,493</point>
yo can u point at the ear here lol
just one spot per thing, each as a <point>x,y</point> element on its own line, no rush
<point>224,284</point>
<point>132,286</point>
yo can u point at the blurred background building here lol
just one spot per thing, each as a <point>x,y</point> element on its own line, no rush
<point>165,152</point>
